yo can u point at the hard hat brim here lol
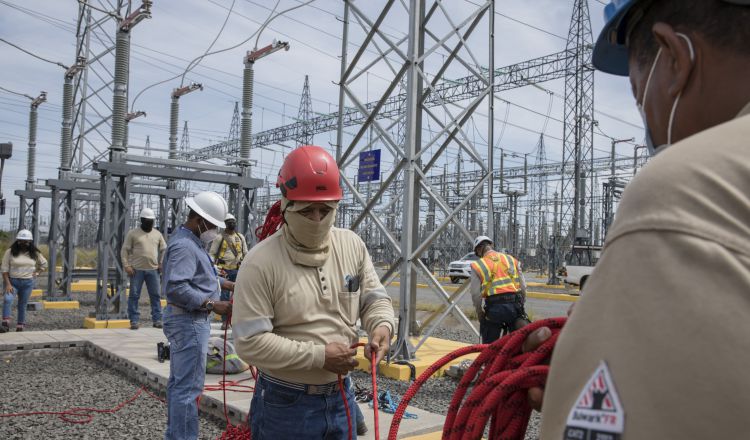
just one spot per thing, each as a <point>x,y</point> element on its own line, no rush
<point>610,54</point>
<point>190,202</point>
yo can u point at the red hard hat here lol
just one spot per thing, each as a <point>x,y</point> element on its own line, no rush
<point>310,174</point>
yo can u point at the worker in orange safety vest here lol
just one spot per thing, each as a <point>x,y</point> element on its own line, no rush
<point>497,281</point>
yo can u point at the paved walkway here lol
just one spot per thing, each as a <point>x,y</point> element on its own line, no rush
<point>134,353</point>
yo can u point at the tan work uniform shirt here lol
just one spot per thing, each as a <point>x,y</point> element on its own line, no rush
<point>143,250</point>
<point>284,313</point>
<point>667,309</point>
<point>22,266</point>
<point>228,242</point>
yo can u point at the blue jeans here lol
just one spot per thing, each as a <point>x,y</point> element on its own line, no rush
<point>278,412</point>
<point>226,294</point>
<point>23,289</point>
<point>151,277</point>
<point>188,344</point>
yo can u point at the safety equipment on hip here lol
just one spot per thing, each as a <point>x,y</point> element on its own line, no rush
<point>24,234</point>
<point>310,174</point>
<point>215,358</point>
<point>209,205</point>
<point>147,213</point>
<point>229,217</point>
<point>479,240</point>
<point>498,273</point>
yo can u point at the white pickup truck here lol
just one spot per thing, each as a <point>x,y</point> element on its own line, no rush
<point>580,265</point>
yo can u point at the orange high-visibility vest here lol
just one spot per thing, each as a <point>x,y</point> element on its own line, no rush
<point>498,273</point>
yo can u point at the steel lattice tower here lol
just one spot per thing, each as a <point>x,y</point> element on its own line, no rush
<point>578,131</point>
<point>304,115</point>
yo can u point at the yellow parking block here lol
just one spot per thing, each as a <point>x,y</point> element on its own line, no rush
<point>93,323</point>
<point>432,350</point>
<point>83,286</point>
<point>36,293</point>
<point>553,296</point>
<point>549,286</point>
<point>61,305</point>
<point>163,302</point>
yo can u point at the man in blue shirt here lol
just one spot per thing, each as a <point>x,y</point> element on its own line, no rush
<point>192,287</point>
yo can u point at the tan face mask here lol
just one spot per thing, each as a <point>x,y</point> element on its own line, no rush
<point>307,241</point>
<point>309,233</point>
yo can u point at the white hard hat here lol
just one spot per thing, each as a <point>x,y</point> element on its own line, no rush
<point>229,217</point>
<point>147,213</point>
<point>24,234</point>
<point>209,205</point>
<point>480,239</point>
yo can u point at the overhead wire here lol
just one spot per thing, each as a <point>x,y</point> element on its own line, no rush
<point>16,93</point>
<point>33,54</point>
<point>200,58</point>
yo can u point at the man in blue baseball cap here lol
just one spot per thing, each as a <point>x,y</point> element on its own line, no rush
<point>658,347</point>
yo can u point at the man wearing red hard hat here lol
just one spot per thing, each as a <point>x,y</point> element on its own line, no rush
<point>298,297</point>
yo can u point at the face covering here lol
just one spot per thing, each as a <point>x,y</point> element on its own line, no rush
<point>652,149</point>
<point>147,224</point>
<point>309,233</point>
<point>230,226</point>
<point>308,241</point>
<point>208,235</point>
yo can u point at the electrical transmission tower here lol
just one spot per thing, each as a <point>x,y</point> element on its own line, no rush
<point>304,115</point>
<point>578,131</point>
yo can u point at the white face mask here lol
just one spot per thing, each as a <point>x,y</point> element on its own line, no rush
<point>209,235</point>
<point>652,149</point>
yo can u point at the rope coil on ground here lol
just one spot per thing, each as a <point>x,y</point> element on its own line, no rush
<point>501,376</point>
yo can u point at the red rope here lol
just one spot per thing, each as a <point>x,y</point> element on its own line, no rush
<point>273,222</point>
<point>501,376</point>
<point>82,416</point>
<point>373,375</point>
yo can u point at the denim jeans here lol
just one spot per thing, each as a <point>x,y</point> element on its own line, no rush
<point>23,289</point>
<point>225,294</point>
<point>188,344</point>
<point>278,412</point>
<point>151,277</point>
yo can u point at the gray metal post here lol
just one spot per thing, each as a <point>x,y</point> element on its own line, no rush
<point>491,125</point>
<point>344,44</point>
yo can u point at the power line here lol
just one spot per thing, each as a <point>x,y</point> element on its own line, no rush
<point>16,93</point>
<point>33,54</point>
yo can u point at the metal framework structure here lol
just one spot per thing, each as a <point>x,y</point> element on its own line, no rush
<point>304,115</point>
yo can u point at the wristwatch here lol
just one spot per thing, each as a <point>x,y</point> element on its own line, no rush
<point>209,305</point>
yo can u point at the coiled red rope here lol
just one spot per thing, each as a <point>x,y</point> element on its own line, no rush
<point>501,376</point>
<point>273,222</point>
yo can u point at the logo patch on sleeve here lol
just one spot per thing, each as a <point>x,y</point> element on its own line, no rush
<point>597,413</point>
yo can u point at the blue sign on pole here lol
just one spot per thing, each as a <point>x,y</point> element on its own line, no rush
<point>369,166</point>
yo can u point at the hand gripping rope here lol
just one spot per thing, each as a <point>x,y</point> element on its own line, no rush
<point>503,376</point>
<point>373,368</point>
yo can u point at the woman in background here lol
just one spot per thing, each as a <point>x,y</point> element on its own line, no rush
<point>21,264</point>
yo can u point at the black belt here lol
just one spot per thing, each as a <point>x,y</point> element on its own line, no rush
<point>324,389</point>
<point>503,298</point>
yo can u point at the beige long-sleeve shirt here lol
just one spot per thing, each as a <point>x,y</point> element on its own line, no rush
<point>143,250</point>
<point>22,266</point>
<point>667,309</point>
<point>285,313</point>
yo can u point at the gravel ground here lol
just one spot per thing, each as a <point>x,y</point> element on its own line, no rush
<point>434,395</point>
<point>71,319</point>
<point>61,379</point>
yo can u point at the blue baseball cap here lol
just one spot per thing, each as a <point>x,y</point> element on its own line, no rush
<point>611,51</point>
